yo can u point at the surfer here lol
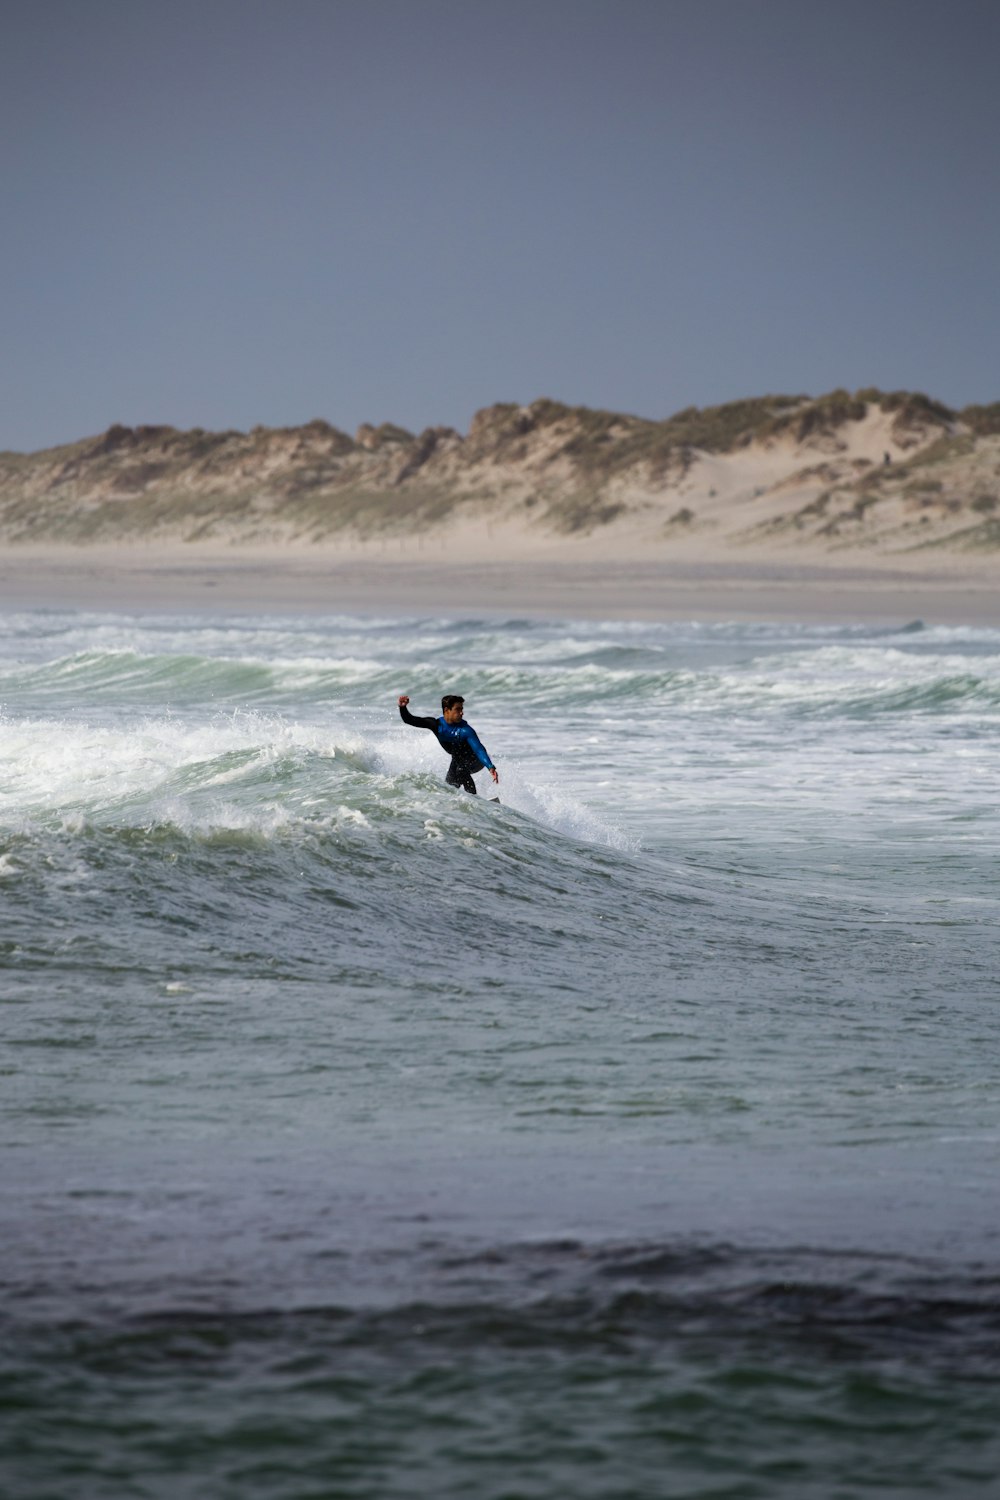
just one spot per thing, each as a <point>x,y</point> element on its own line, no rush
<point>460,740</point>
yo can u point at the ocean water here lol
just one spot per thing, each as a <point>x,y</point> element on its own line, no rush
<point>634,1137</point>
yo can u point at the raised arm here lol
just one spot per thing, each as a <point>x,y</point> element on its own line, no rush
<point>414,719</point>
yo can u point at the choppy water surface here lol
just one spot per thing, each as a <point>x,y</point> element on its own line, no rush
<point>635,1137</point>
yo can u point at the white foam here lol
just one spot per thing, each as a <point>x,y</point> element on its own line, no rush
<point>768,728</point>
<point>559,808</point>
<point>49,764</point>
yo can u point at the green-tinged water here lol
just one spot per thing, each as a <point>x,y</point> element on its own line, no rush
<point>636,1137</point>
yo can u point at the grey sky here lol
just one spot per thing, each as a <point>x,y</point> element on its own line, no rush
<point>239,211</point>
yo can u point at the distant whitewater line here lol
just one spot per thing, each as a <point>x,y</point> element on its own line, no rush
<point>897,472</point>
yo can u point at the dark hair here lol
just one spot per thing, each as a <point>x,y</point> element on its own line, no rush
<point>450,699</point>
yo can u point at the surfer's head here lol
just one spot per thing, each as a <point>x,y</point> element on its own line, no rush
<point>452,706</point>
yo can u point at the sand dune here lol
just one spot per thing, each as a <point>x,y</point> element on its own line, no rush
<point>867,506</point>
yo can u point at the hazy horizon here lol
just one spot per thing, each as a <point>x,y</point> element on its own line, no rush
<point>250,213</point>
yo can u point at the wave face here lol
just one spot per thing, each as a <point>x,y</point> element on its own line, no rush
<point>634,1135</point>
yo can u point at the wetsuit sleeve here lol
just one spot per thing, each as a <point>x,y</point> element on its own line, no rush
<point>414,719</point>
<point>477,747</point>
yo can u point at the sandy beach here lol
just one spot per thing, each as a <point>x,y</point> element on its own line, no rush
<point>569,581</point>
<point>875,509</point>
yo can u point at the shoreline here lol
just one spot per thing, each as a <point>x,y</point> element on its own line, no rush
<point>149,580</point>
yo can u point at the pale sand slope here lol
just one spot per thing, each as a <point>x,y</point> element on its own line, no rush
<point>482,571</point>
<point>805,522</point>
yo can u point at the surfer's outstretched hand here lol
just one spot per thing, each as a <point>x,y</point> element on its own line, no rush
<point>494,773</point>
<point>403,700</point>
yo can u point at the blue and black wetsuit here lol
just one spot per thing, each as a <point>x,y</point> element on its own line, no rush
<point>467,751</point>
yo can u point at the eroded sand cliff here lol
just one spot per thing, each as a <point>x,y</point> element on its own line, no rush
<point>889,474</point>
